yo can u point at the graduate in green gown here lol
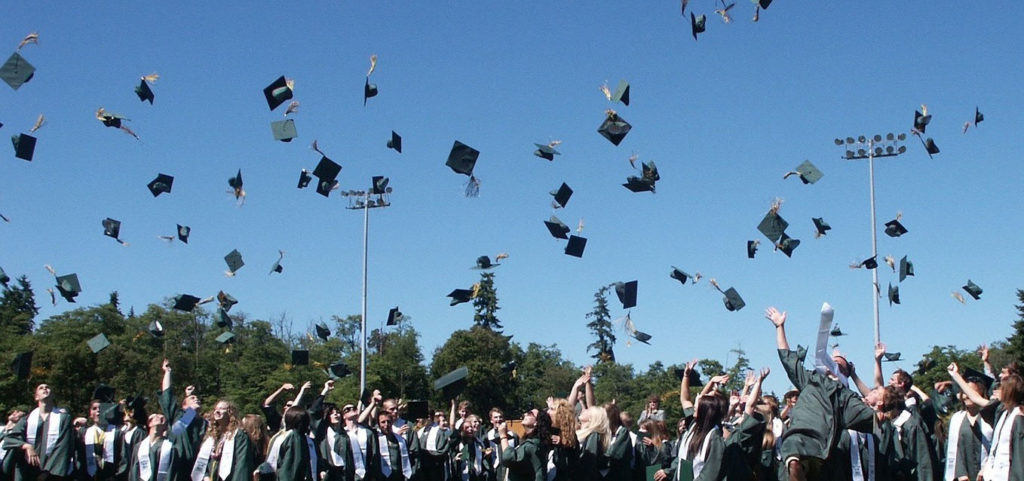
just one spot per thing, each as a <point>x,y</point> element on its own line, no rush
<point>43,441</point>
<point>186,426</point>
<point>565,449</point>
<point>100,448</point>
<point>392,459</point>
<point>292,455</point>
<point>970,435</point>
<point>153,457</point>
<point>594,437</point>
<point>620,448</point>
<point>434,441</point>
<point>6,458</point>
<point>133,432</point>
<point>527,461</point>
<point>225,453</point>
<point>472,460</point>
<point>652,448</point>
<point>1003,462</point>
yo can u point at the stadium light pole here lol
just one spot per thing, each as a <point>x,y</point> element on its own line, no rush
<point>377,196</point>
<point>870,148</point>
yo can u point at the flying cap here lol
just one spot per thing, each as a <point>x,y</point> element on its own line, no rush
<point>104,393</point>
<point>638,184</point>
<point>24,146</point>
<point>155,329</point>
<point>183,232</point>
<point>185,302</point>
<point>225,337</point>
<point>562,195</point>
<point>614,128</point>
<point>894,294</point>
<point>304,179</point>
<point>226,301</point>
<point>338,370</point>
<point>787,244</point>
<point>460,295</point>
<point>575,246</point>
<point>234,261</point>
<point>869,263</point>
<point>16,71</point>
<point>416,410</point>
<point>893,228</point>
<point>278,92</point>
<point>978,117</point>
<point>773,226</point>
<point>112,228</point>
<point>640,336</point>
<point>223,319</point>
<point>98,343</point>
<point>930,147</point>
<point>462,158</point>
<point>892,356</point>
<point>300,357</point>
<point>697,24</point>
<point>921,121</point>
<point>484,262</point>
<point>369,90</point>
<point>973,289</point>
<point>144,92</point>
<point>836,331</point>
<point>236,183</point>
<point>394,316</point>
<point>284,130</point>
<point>809,174</point>
<point>680,276</point>
<point>626,291</point>
<point>22,365</point>
<point>452,383</point>
<point>546,152</point>
<point>820,226</point>
<point>69,287</point>
<point>751,248</point>
<point>326,171</point>
<point>621,93</point>
<point>732,300</point>
<point>379,185</point>
<point>557,228</point>
<point>161,184</point>
<point>322,331</point>
<point>906,268</point>
<point>395,142</point>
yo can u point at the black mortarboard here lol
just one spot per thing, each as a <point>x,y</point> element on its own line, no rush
<point>836,331</point>
<point>111,227</point>
<point>364,397</point>
<point>921,121</point>
<point>695,380</point>
<point>697,24</point>
<point>892,356</point>
<point>379,185</point>
<point>16,71</point>
<point>304,179</point>
<point>338,370</point>
<point>626,291</point>
<point>300,357</point>
<point>562,195</point>
<point>787,244</point>
<point>679,275</point>
<point>546,152</point>
<point>460,295</point>
<point>223,319</point>
<point>973,375</point>
<point>751,249</point>
<point>930,147</point>
<point>22,365</point>
<point>894,294</point>
<point>869,263</point>
<point>326,171</point>
<point>225,337</point>
<point>276,267</point>
<point>185,302</point>
<point>484,262</point>
<point>809,174</point>
<point>733,301</point>
<point>103,393</point>
<point>156,329</point>
<point>452,383</point>
<point>621,93</point>
<point>773,226</point>
<point>236,181</point>
<point>640,336</point>
<point>893,228</point>
<point>98,343</point>
<point>394,316</point>
<point>973,289</point>
<point>906,268</point>
<point>161,184</point>
<point>277,93</point>
<point>576,246</point>
<point>322,331</point>
<point>395,142</point>
<point>820,225</point>
<point>284,130</point>
<point>638,184</point>
<point>764,4</point>
<point>183,232</point>
<point>234,261</point>
<point>978,116</point>
<point>416,410</point>
<point>144,92</point>
<point>69,287</point>
<point>369,90</point>
<point>557,228</point>
<point>614,128</point>
<point>462,158</point>
<point>226,301</point>
<point>24,146</point>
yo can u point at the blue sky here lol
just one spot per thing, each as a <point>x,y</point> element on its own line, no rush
<point>724,118</point>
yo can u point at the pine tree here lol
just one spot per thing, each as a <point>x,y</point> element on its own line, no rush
<point>486,304</point>
<point>18,309</point>
<point>601,325</point>
<point>1015,343</point>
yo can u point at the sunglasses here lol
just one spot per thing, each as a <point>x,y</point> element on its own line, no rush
<point>348,408</point>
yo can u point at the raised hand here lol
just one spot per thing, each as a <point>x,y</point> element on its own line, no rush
<point>778,318</point>
<point>879,350</point>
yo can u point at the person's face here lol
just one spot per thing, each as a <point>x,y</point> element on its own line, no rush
<point>529,419</point>
<point>441,420</point>
<point>497,418</point>
<point>220,411</point>
<point>349,412</point>
<point>157,424</point>
<point>193,401</point>
<point>681,427</point>
<point>94,412</point>
<point>463,412</point>
<point>384,421</point>
<point>42,392</point>
<point>652,405</point>
<point>15,416</point>
<point>334,416</point>
<point>391,409</point>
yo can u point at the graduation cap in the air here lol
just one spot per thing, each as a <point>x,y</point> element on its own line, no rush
<point>906,268</point>
<point>695,380</point>
<point>185,302</point>
<point>752,248</point>
<point>394,316</point>
<point>22,365</point>
<point>226,301</point>
<point>787,244</point>
<point>278,92</point>
<point>111,119</point>
<point>322,331</point>
<point>614,128</point>
<point>807,171</point>
<point>462,158</point>
<point>284,130</point>
<point>98,343</point>
<point>773,225</point>
<point>338,370</point>
<point>546,151</point>
<point>924,365</point>
<point>973,375</point>
<point>16,71</point>
<point>24,146</point>
<point>820,226</point>
<point>484,262</point>
<point>326,171</point>
<point>836,332</point>
<point>277,267</point>
<point>460,295</point>
<point>575,246</point>
<point>300,357</point>
<point>112,229</point>
<point>236,184</point>
<point>223,319</point>
<point>395,142</point>
<point>304,179</point>
<point>697,24</point>
<point>869,263</point>
<point>626,291</point>
<point>557,228</point>
<point>891,356</point>
<point>144,92</point>
<point>638,184</point>
<point>452,383</point>
<point>69,287</point>
<point>621,93</point>
<point>379,185</point>
<point>161,184</point>
<point>155,329</point>
<point>978,117</point>
<point>640,336</point>
<point>183,232</point>
<point>234,262</point>
<point>763,4</point>
<point>417,409</point>
<point>681,276</point>
<point>225,337</point>
<point>930,147</point>
<point>562,195</point>
<point>894,294</point>
<point>973,289</point>
<point>732,300</point>
<point>369,90</point>
<point>104,393</point>
<point>921,120</point>
<point>894,228</point>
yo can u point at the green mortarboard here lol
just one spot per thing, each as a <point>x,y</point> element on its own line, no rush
<point>22,365</point>
<point>614,128</point>
<point>104,393</point>
<point>16,71</point>
<point>322,331</point>
<point>820,225</point>
<point>369,90</point>
<point>326,171</point>
<point>395,142</point>
<point>394,316</point>
<point>452,383</point>
<point>978,116</point>
<point>416,410</point>
<point>185,302</point>
<point>277,93</point>
<point>575,246</point>
<point>484,262</point>
<point>787,244</point>
<point>304,179</point>
<point>161,184</point>
<point>697,24</point>
<point>156,329</point>
<point>906,268</point>
<point>338,370</point>
<point>460,295</point>
<point>225,337</point>
<point>462,158</point>
<point>679,275</point>
<point>236,181</point>
<point>640,336</point>
<point>892,356</point>
<point>973,375</point>
<point>183,232</point>
<point>638,184</point>
<point>869,263</point>
<point>226,301</point>
<point>973,289</point>
<point>380,185</point>
<point>809,174</point>
<point>930,147</point>
<point>234,261</point>
<point>626,291</point>
<point>144,92</point>
<point>836,332</point>
<point>111,227</point>
<point>621,93</point>
<point>223,319</point>
<point>562,195</point>
<point>751,249</point>
<point>893,228</point>
<point>557,228</point>
<point>733,301</point>
<point>69,287</point>
<point>284,130</point>
<point>24,146</point>
<point>546,152</point>
<point>894,294</point>
<point>650,171</point>
<point>98,343</point>
<point>773,226</point>
<point>300,357</point>
<point>921,121</point>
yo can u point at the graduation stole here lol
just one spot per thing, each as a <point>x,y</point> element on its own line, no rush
<point>855,466</point>
<point>698,462</point>
<point>385,455</point>
<point>955,424</point>
<point>163,463</point>
<point>433,433</point>
<point>52,433</point>
<point>227,456</point>
<point>357,443</point>
<point>899,422</point>
<point>332,441</point>
<point>494,439</point>
<point>997,465</point>
<point>275,452</point>
<point>476,455</point>
<point>203,459</point>
<point>182,423</point>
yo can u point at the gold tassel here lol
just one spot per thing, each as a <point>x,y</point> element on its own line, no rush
<point>373,64</point>
<point>30,38</point>
<point>151,78</point>
<point>39,123</point>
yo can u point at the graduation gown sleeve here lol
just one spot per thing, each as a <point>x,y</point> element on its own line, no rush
<point>293,461</point>
<point>524,462</point>
<point>714,462</point>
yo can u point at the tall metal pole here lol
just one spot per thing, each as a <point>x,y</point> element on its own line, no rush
<point>874,237</point>
<point>362,346</point>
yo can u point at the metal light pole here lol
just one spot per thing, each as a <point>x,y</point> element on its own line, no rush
<point>875,147</point>
<point>359,199</point>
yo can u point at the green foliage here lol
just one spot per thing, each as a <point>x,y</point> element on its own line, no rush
<point>484,352</point>
<point>486,304</point>
<point>940,357</point>
<point>615,382</point>
<point>17,310</point>
<point>738,371</point>
<point>601,326</point>
<point>541,372</point>
<point>1015,343</point>
<point>397,366</point>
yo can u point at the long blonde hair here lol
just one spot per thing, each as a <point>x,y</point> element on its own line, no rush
<point>565,420</point>
<point>216,432</point>
<point>597,422</point>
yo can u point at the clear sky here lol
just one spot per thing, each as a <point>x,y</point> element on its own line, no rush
<point>723,117</point>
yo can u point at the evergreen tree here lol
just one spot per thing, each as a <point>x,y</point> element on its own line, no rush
<point>18,309</point>
<point>1015,343</point>
<point>486,304</point>
<point>601,326</point>
<point>485,353</point>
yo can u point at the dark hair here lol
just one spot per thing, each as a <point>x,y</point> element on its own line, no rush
<point>542,430</point>
<point>710,411</point>
<point>614,421</point>
<point>654,398</point>
<point>1011,391</point>
<point>892,402</point>
<point>297,418</point>
<point>904,379</point>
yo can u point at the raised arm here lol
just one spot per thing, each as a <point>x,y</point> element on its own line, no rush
<point>451,415</point>
<point>370,411</point>
<point>713,383</point>
<point>857,381</point>
<point>302,393</point>
<point>588,388</point>
<point>284,387</point>
<point>755,391</point>
<point>967,389</point>
<point>879,352</point>
<point>684,386</point>
<point>983,351</point>
<point>576,387</point>
<point>165,384</point>
<point>778,320</point>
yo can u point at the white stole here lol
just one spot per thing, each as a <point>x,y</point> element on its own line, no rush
<point>855,464</point>
<point>90,448</point>
<point>357,440</point>
<point>163,465</point>
<point>202,460</point>
<point>955,424</point>
<point>227,457</point>
<point>275,451</point>
<point>899,422</point>
<point>335,458</point>
<point>698,462</point>
<point>385,455</point>
<point>32,425</point>
<point>432,434</point>
<point>997,466</point>
<point>477,464</point>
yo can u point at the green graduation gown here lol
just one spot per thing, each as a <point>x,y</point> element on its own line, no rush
<point>620,456</point>
<point>56,463</point>
<point>186,437</point>
<point>525,462</point>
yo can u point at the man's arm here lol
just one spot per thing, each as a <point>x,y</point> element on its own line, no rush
<point>983,351</point>
<point>370,411</point>
<point>284,387</point>
<point>861,387</point>
<point>588,388</point>
<point>165,384</point>
<point>302,393</point>
<point>967,389</point>
<point>778,320</point>
<point>879,352</point>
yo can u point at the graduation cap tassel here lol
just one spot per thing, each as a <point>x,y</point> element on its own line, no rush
<point>30,38</point>
<point>472,187</point>
<point>130,132</point>
<point>373,64</point>
<point>607,92</point>
<point>151,78</point>
<point>316,149</point>
<point>292,108</point>
<point>39,123</point>
<point>53,297</point>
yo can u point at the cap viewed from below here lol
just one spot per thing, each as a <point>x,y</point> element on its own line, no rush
<point>338,370</point>
<point>575,246</point>
<point>278,92</point>
<point>327,172</point>
<point>16,71</point>
<point>562,195</point>
<point>185,302</point>
<point>284,130</point>
<point>681,276</point>
<point>369,90</point>
<point>557,228</point>
<point>69,287</point>
<point>162,184</point>
<point>787,244</point>
<point>396,142</point>
<point>892,356</point>
<point>621,93</point>
<point>894,294</point>
<point>462,158</point>
<point>906,268</point>
<point>614,128</point>
<point>460,295</point>
<point>893,228</point>
<point>973,289</point>
<point>155,329</point>
<point>98,343</point>
<point>820,226</point>
<point>24,146</point>
<point>626,292</point>
<point>304,179</point>
<point>752,248</point>
<point>394,316</point>
<point>698,24</point>
<point>183,232</point>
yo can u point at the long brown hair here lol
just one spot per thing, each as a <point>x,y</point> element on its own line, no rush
<point>711,409</point>
<point>656,431</point>
<point>565,421</point>
<point>256,429</point>
<point>217,432</point>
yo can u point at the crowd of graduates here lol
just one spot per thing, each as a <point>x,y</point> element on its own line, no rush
<point>830,426</point>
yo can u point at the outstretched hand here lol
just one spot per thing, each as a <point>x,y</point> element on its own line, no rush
<point>879,351</point>
<point>953,368</point>
<point>983,351</point>
<point>778,318</point>
<point>765,371</point>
